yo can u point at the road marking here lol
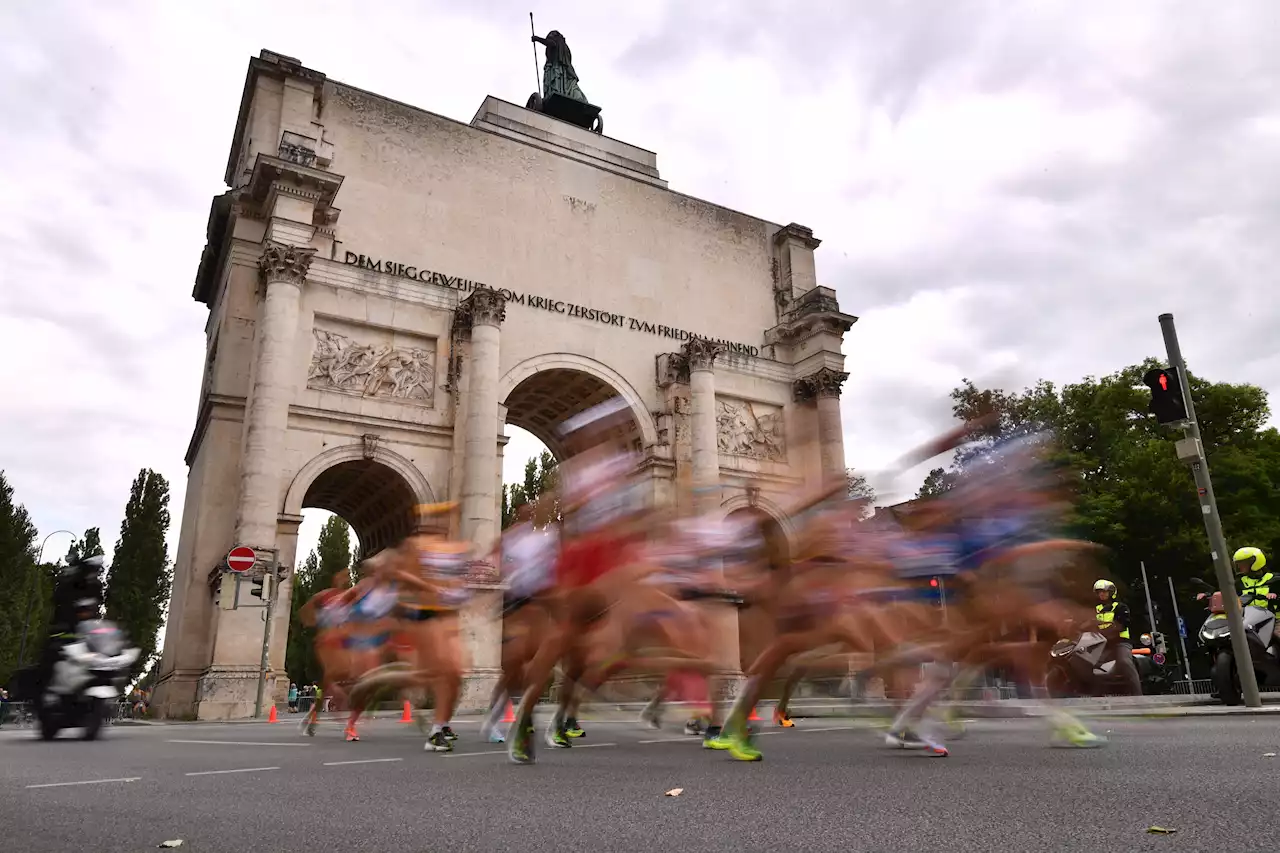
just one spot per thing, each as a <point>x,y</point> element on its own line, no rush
<point>241,742</point>
<point>686,739</point>
<point>86,782</point>
<point>828,729</point>
<point>361,761</point>
<point>504,752</point>
<point>240,770</point>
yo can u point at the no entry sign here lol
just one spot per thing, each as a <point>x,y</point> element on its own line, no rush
<point>241,558</point>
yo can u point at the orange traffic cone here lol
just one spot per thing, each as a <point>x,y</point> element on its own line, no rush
<point>407,717</point>
<point>271,716</point>
<point>510,715</point>
<point>755,717</point>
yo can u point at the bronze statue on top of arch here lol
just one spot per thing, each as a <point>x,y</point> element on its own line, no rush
<point>561,96</point>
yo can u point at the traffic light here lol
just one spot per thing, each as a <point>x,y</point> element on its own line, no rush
<point>1166,395</point>
<point>224,592</point>
<point>261,587</point>
<point>933,582</point>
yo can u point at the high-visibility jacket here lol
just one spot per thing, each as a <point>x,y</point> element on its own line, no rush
<point>1258,585</point>
<point>1107,615</point>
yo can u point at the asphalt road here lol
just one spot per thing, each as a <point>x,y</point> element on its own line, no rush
<point>826,785</point>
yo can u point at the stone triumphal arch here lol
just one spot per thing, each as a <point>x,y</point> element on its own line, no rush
<point>387,287</point>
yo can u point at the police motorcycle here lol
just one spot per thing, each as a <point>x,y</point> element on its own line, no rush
<point>86,660</point>
<point>1264,646</point>
<point>1086,667</point>
<point>1150,656</point>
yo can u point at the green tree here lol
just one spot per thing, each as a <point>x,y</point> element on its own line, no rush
<point>935,483</point>
<point>299,655</point>
<point>88,546</point>
<point>20,579</point>
<point>859,488</point>
<point>540,476</point>
<point>334,552</point>
<point>1131,492</point>
<point>137,587</point>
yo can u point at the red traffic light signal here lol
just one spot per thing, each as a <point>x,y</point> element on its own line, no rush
<point>1166,395</point>
<point>933,582</point>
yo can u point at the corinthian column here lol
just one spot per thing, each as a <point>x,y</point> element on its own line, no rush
<point>484,310</point>
<point>284,269</point>
<point>824,387</point>
<point>701,355</point>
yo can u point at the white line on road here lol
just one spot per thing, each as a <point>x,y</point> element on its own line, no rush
<point>467,754</point>
<point>589,745</point>
<point>361,761</point>
<point>87,782</point>
<point>241,742</point>
<point>685,739</point>
<point>240,770</point>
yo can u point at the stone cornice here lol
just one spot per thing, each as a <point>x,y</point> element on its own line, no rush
<point>825,382</point>
<point>798,232</point>
<point>813,313</point>
<point>271,172</point>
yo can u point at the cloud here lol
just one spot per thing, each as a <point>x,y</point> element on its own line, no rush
<point>1003,193</point>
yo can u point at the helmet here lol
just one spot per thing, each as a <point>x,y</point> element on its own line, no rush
<point>1105,586</point>
<point>1253,558</point>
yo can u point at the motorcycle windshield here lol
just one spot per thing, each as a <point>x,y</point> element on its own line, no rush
<point>102,637</point>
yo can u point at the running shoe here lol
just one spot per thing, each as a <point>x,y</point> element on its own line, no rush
<point>714,738</point>
<point>742,749</point>
<point>520,749</point>
<point>572,729</point>
<point>556,737</point>
<point>649,719</point>
<point>780,718</point>
<point>908,739</point>
<point>449,733</point>
<point>350,734</point>
<point>438,742</point>
<point>1075,736</point>
<point>693,727</point>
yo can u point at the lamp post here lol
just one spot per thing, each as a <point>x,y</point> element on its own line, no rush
<point>22,646</point>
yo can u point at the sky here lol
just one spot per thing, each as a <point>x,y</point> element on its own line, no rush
<point>1004,192</point>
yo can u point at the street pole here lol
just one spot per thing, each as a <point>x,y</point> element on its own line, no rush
<point>1194,452</point>
<point>1151,613</point>
<point>35,582</point>
<point>264,663</point>
<point>1186,662</point>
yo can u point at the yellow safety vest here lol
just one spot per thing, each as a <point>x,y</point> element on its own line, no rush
<point>1258,586</point>
<point>1107,615</point>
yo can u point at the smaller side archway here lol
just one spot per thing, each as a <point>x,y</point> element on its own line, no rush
<point>374,489</point>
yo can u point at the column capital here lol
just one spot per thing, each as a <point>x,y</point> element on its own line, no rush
<point>701,353</point>
<point>285,263</point>
<point>823,383</point>
<point>485,307</point>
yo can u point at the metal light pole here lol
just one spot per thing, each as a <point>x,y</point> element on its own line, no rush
<point>1191,449</point>
<point>264,663</point>
<point>1186,662</point>
<point>1146,587</point>
<point>22,645</point>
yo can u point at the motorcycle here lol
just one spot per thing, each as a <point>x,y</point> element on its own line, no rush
<point>1150,656</point>
<point>88,677</point>
<point>1264,647</point>
<point>1083,667</point>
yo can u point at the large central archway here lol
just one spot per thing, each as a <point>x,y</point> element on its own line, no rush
<point>541,393</point>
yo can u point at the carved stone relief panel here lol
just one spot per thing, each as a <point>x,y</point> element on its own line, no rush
<point>748,429</point>
<point>373,368</point>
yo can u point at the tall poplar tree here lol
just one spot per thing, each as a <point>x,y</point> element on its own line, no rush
<point>138,583</point>
<point>20,579</point>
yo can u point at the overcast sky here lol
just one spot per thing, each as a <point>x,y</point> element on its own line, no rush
<point>1004,191</point>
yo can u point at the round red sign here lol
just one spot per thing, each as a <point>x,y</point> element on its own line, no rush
<point>241,558</point>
